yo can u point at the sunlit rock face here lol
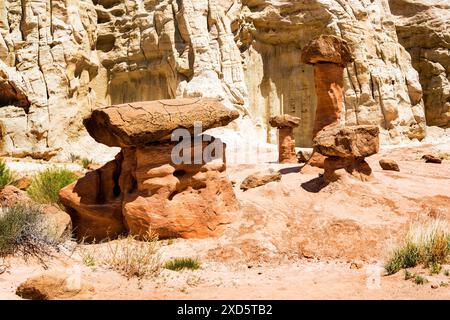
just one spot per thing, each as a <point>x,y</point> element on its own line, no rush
<point>70,57</point>
<point>423,28</point>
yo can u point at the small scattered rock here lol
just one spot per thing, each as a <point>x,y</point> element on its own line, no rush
<point>260,179</point>
<point>53,286</point>
<point>431,158</point>
<point>356,265</point>
<point>434,286</point>
<point>389,164</point>
<point>11,195</point>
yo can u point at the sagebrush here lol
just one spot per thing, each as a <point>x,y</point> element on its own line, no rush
<point>23,230</point>
<point>45,185</point>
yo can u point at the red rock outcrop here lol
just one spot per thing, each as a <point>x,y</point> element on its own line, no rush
<point>286,142</point>
<point>147,187</point>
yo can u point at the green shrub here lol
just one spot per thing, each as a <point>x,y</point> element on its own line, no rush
<point>405,257</point>
<point>45,185</point>
<point>22,230</point>
<point>6,176</point>
<point>420,280</point>
<point>177,264</point>
<point>429,244</point>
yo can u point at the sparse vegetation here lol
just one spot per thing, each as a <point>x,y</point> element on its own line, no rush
<point>409,275</point>
<point>45,185</point>
<point>446,273</point>
<point>178,264</point>
<point>74,157</point>
<point>420,280</point>
<point>428,244</point>
<point>133,258</point>
<point>435,268</point>
<point>85,162</point>
<point>23,230</point>
<point>6,176</point>
<point>444,156</point>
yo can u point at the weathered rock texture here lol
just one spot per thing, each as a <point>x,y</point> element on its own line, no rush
<point>54,286</point>
<point>329,55</point>
<point>345,148</point>
<point>389,164</point>
<point>142,190</point>
<point>423,28</point>
<point>69,57</point>
<point>135,124</point>
<point>286,142</point>
<point>259,179</point>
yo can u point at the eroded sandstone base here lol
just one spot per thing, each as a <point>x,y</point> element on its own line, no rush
<point>143,190</point>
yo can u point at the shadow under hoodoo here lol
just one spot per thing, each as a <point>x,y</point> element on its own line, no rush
<point>143,188</point>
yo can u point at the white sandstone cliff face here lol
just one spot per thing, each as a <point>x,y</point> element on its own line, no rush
<point>423,28</point>
<point>75,55</point>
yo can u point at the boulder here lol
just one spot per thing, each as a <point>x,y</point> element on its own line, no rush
<point>431,158</point>
<point>389,164</point>
<point>259,179</point>
<point>54,285</point>
<point>10,196</point>
<point>140,123</point>
<point>327,48</point>
<point>284,121</point>
<point>348,142</point>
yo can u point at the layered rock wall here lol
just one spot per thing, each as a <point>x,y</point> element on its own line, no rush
<point>423,28</point>
<point>69,57</point>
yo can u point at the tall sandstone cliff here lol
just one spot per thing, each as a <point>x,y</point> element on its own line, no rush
<point>60,59</point>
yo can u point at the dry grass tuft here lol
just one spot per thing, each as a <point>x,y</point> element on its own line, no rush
<point>133,258</point>
<point>428,244</point>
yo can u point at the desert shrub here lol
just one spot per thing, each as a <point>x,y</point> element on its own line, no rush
<point>177,264</point>
<point>45,185</point>
<point>420,280</point>
<point>409,275</point>
<point>85,162</point>
<point>6,176</point>
<point>133,258</point>
<point>404,257</point>
<point>23,230</point>
<point>429,244</point>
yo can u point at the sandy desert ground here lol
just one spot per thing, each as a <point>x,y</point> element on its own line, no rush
<point>294,239</point>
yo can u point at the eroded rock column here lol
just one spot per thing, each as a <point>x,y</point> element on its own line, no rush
<point>172,188</point>
<point>328,54</point>
<point>286,142</point>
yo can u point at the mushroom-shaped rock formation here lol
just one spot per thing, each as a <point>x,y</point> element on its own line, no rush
<point>139,123</point>
<point>286,143</point>
<point>175,189</point>
<point>346,148</point>
<point>329,55</point>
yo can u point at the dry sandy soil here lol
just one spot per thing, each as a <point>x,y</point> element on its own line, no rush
<point>294,239</point>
